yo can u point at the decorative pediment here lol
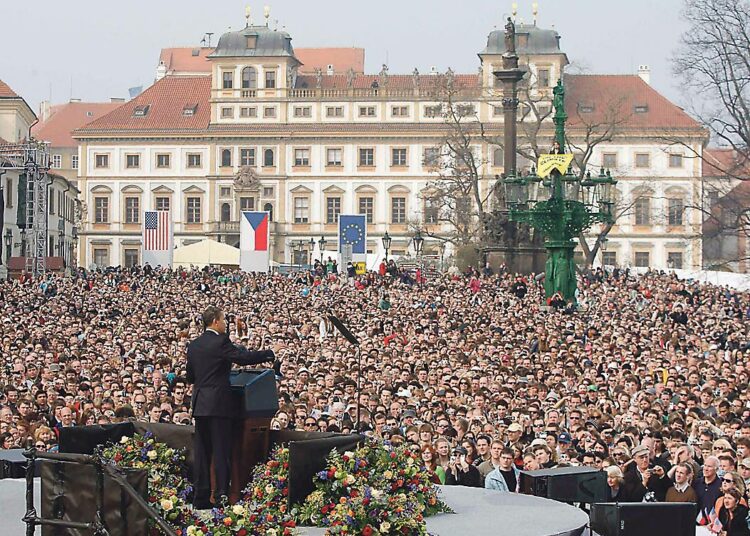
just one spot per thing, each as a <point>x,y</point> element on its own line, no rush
<point>132,189</point>
<point>333,189</point>
<point>161,189</point>
<point>246,179</point>
<point>366,189</point>
<point>398,188</point>
<point>193,190</point>
<point>101,189</point>
<point>301,190</point>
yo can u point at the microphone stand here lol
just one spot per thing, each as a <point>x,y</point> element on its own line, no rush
<point>354,341</point>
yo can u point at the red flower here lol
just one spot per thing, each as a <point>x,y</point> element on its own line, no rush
<point>393,455</point>
<point>365,501</point>
<point>367,531</point>
<point>331,473</point>
<point>242,532</point>
<point>285,492</point>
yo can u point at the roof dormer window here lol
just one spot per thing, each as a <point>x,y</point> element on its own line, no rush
<point>585,108</point>
<point>641,108</point>
<point>141,111</point>
<point>252,41</point>
<point>189,110</point>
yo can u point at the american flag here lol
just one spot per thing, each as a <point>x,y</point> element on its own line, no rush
<point>156,230</point>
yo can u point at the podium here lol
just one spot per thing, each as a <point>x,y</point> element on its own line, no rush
<point>256,401</point>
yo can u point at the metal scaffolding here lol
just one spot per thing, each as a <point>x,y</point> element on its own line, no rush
<point>32,159</point>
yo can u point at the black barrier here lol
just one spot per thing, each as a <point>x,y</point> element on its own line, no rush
<point>13,464</point>
<point>103,522</point>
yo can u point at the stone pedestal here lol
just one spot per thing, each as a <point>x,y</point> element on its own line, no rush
<point>522,260</point>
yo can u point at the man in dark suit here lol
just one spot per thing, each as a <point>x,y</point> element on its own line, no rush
<point>209,361</point>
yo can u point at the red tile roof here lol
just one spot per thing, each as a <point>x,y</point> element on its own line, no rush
<point>168,97</point>
<point>166,100</point>
<point>183,60</point>
<point>625,98</point>
<point>723,162</point>
<point>6,91</point>
<point>342,59</point>
<point>65,118</point>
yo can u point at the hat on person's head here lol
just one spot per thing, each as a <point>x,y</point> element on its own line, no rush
<point>515,427</point>
<point>553,396</point>
<point>410,413</point>
<point>745,463</point>
<point>404,392</point>
<point>593,388</point>
<point>460,450</point>
<point>303,369</point>
<point>565,438</point>
<point>538,441</point>
<point>640,449</point>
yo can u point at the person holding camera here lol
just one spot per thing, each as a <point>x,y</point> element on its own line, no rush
<point>643,477</point>
<point>460,471</point>
<point>209,361</point>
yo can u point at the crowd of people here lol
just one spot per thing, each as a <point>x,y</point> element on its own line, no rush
<point>647,379</point>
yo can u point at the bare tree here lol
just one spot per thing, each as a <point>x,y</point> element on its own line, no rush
<point>714,61</point>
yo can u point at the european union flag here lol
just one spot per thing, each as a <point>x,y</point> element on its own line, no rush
<point>353,230</point>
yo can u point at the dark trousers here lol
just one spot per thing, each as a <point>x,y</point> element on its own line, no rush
<point>212,441</point>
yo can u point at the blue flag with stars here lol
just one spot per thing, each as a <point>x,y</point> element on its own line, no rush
<point>353,230</point>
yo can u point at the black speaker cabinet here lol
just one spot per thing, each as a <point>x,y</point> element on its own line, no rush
<point>566,484</point>
<point>643,519</point>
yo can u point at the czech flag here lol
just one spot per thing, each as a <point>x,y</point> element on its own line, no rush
<point>255,241</point>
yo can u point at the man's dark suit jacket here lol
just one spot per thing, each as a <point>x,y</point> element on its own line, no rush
<point>209,361</point>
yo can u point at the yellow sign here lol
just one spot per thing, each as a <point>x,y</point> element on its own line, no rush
<point>360,268</point>
<point>548,162</point>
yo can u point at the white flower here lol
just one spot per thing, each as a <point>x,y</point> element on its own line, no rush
<point>124,439</point>
<point>237,509</point>
<point>152,454</point>
<point>350,479</point>
<point>192,530</point>
<point>269,489</point>
<point>385,526</point>
<point>349,454</point>
<point>271,532</point>
<point>376,494</point>
<point>166,505</point>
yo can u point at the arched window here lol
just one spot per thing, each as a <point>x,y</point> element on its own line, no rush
<point>249,78</point>
<point>226,158</point>
<point>268,158</point>
<point>268,207</point>
<point>497,157</point>
<point>226,212</point>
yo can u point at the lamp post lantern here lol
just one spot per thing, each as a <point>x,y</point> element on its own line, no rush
<point>418,241</point>
<point>386,245</point>
<point>322,246</point>
<point>560,205</point>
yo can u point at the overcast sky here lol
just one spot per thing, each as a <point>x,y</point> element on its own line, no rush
<point>97,49</point>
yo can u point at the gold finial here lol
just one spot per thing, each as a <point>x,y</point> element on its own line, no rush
<point>514,9</point>
<point>247,15</point>
<point>535,11</point>
<point>266,13</point>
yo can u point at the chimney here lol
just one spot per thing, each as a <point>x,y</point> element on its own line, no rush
<point>117,99</point>
<point>433,70</point>
<point>44,110</point>
<point>644,71</point>
<point>329,70</point>
<point>75,100</point>
<point>161,71</point>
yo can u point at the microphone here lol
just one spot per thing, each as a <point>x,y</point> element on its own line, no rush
<point>343,330</point>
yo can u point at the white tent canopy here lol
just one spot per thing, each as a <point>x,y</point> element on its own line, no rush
<point>206,252</point>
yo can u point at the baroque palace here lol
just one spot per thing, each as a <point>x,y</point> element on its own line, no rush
<point>253,125</point>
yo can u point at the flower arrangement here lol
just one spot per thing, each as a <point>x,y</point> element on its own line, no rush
<point>377,489</point>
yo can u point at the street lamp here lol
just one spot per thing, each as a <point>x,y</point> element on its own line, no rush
<point>418,245</point>
<point>8,243</point>
<point>561,205</point>
<point>386,245</point>
<point>312,248</point>
<point>298,248</point>
<point>322,246</point>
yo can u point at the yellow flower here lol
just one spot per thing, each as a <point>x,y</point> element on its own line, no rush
<point>124,439</point>
<point>385,526</point>
<point>237,509</point>
<point>166,505</point>
<point>152,454</point>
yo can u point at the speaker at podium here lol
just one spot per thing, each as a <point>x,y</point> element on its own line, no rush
<point>256,401</point>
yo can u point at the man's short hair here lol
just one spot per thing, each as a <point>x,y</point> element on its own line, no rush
<point>211,315</point>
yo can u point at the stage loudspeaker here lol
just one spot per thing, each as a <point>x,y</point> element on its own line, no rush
<point>566,484</point>
<point>643,519</point>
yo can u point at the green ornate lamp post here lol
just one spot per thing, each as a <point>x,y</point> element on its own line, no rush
<point>560,205</point>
